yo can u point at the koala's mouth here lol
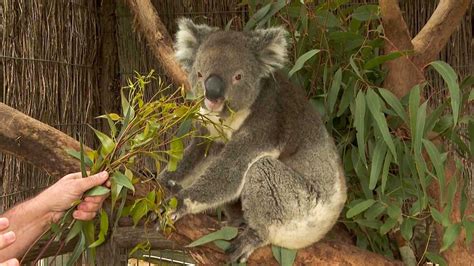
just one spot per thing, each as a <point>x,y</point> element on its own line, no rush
<point>214,105</point>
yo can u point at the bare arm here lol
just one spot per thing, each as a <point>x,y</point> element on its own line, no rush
<point>28,220</point>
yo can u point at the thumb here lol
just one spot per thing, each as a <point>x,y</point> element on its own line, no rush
<point>92,181</point>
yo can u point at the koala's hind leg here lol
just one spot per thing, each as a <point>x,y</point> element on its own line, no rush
<point>273,195</point>
<point>243,246</point>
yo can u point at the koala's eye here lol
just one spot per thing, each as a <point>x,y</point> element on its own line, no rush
<point>199,75</point>
<point>238,77</point>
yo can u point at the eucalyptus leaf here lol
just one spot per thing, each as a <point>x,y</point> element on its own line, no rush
<point>302,60</point>
<point>226,233</point>
<point>450,235</point>
<point>359,208</point>
<point>450,77</point>
<point>123,180</point>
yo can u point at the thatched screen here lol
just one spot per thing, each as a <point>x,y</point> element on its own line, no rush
<point>53,66</point>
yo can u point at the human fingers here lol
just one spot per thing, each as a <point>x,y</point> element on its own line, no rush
<point>96,199</point>
<point>11,262</point>
<point>89,206</point>
<point>7,239</point>
<point>92,181</point>
<point>76,175</point>
<point>83,215</point>
<point>4,223</point>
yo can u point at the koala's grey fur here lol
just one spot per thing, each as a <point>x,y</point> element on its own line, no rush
<point>276,156</point>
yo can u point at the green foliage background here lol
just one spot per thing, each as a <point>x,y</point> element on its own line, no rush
<point>386,144</point>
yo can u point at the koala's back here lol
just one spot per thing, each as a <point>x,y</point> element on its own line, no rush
<point>305,200</point>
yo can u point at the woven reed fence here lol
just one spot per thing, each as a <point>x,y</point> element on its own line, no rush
<point>50,57</point>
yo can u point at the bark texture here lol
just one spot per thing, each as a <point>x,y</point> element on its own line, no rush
<point>407,71</point>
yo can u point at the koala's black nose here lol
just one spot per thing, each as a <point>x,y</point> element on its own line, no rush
<point>215,87</point>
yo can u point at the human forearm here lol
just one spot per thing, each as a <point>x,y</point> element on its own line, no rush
<point>28,221</point>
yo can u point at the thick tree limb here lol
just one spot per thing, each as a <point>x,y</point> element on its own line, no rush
<point>402,72</point>
<point>158,38</point>
<point>43,146</point>
<point>433,37</point>
<point>405,72</point>
<point>35,142</point>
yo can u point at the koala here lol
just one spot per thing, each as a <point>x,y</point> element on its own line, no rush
<point>273,161</point>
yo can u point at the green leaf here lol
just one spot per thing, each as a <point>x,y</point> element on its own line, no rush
<point>83,164</point>
<point>469,227</point>
<point>395,103</point>
<point>414,103</point>
<point>366,12</point>
<point>394,211</point>
<point>375,211</point>
<point>334,90</point>
<point>75,230</point>
<point>110,120</point>
<point>354,67</point>
<point>97,191</point>
<point>226,233</point>
<point>359,123</point>
<point>326,19</point>
<point>378,60</point>
<point>77,155</point>
<point>380,121</point>
<point>104,227</point>
<point>420,128</point>
<point>450,235</point>
<point>439,218</point>
<point>302,60</point>
<point>470,130</point>
<point>78,250</point>
<point>451,79</point>
<point>222,244</point>
<point>438,165</point>
<point>176,153</point>
<point>359,208</point>
<point>385,170</point>
<point>108,144</point>
<point>378,157</point>
<point>123,180</point>
<point>387,226</point>
<point>284,256</point>
<point>406,228</point>
<point>257,17</point>
<point>140,210</point>
<point>127,110</point>
<point>173,203</point>
<point>436,259</point>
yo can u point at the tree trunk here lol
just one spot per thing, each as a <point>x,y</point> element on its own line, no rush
<point>406,72</point>
<point>158,38</point>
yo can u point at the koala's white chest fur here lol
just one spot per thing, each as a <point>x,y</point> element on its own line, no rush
<point>222,129</point>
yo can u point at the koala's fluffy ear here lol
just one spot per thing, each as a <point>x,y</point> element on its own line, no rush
<point>188,39</point>
<point>270,46</point>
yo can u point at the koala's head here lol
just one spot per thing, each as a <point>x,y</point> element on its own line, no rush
<point>227,66</point>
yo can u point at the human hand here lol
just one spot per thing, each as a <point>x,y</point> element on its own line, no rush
<point>61,195</point>
<point>7,239</point>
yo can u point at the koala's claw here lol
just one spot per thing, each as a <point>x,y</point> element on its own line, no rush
<point>238,253</point>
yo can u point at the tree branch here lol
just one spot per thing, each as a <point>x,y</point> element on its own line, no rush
<point>35,142</point>
<point>433,37</point>
<point>402,74</point>
<point>158,38</point>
